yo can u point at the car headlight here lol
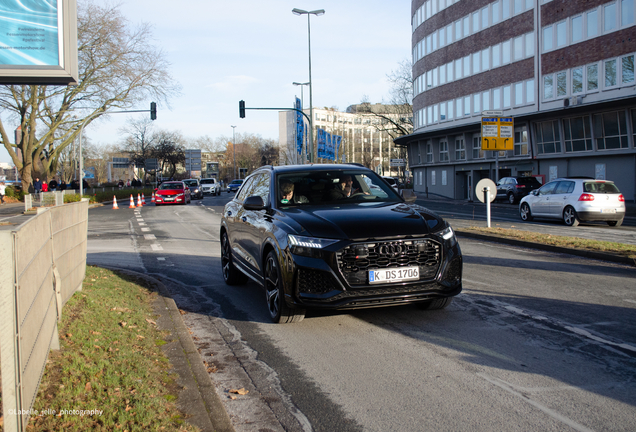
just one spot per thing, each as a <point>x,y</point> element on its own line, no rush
<point>308,246</point>
<point>448,234</point>
<point>196,191</point>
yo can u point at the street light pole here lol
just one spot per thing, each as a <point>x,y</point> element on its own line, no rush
<point>234,149</point>
<point>302,107</point>
<point>311,105</point>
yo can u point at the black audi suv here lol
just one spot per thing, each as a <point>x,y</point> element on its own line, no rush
<point>336,237</point>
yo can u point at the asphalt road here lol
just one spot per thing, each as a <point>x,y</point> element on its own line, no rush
<point>536,341</point>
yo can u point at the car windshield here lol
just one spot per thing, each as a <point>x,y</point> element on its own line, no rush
<point>329,187</point>
<point>207,181</point>
<point>236,182</point>
<point>600,188</point>
<point>190,182</point>
<point>165,186</point>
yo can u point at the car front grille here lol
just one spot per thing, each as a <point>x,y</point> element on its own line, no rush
<point>355,261</point>
<point>315,282</point>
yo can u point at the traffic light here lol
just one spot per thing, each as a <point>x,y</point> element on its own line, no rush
<point>242,109</point>
<point>153,111</point>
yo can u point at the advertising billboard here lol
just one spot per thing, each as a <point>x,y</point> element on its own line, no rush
<point>38,42</point>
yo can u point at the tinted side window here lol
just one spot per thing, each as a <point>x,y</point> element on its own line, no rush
<point>564,187</point>
<point>245,190</point>
<point>548,189</point>
<point>261,187</point>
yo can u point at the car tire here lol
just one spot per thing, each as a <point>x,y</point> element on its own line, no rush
<point>511,198</point>
<point>524,213</point>
<point>231,274</point>
<point>440,303</point>
<point>569,217</point>
<point>279,311</point>
<point>615,223</point>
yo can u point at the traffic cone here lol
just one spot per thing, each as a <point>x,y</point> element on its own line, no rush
<point>143,199</point>
<point>115,207</point>
<point>138,200</point>
<point>153,198</point>
<point>132,202</point>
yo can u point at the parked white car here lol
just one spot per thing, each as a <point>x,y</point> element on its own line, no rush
<point>211,186</point>
<point>575,200</point>
<point>391,181</point>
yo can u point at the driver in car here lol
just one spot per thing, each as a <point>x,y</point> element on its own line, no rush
<point>344,189</point>
<point>287,194</point>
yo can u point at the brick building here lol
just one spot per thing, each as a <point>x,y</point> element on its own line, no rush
<point>563,69</point>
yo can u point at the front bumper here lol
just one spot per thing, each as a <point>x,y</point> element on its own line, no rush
<point>322,283</point>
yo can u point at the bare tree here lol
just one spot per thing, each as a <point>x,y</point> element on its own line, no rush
<point>118,68</point>
<point>139,142</point>
<point>169,150</point>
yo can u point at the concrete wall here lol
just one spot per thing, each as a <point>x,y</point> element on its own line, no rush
<point>42,263</point>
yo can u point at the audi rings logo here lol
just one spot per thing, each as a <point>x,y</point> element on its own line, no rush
<point>392,249</point>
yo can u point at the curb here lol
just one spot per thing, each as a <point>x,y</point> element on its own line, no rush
<point>198,397</point>
<point>603,256</point>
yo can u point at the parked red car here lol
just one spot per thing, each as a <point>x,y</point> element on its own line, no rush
<point>172,192</point>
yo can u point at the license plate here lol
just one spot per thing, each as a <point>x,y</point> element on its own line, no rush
<point>395,274</point>
<point>608,210</point>
<point>168,199</point>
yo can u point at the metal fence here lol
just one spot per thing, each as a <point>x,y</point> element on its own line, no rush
<point>42,263</point>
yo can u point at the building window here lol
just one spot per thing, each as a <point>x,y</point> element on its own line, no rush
<point>476,104</point>
<point>496,56</point>
<point>519,94</point>
<point>577,80</point>
<point>577,28</point>
<point>443,151</point>
<point>548,137</point>
<point>562,83</point>
<point>476,62</point>
<point>460,107</point>
<point>467,106</point>
<point>627,12</point>
<point>610,73</point>
<point>485,96</point>
<point>592,77</point>
<point>547,38</point>
<point>495,12</point>
<point>530,91</point>
<point>429,152</point>
<point>442,111</point>
<point>460,149</point>
<point>548,87</point>
<point>496,99</point>
<point>609,17</point>
<point>478,153</point>
<point>529,44</point>
<point>518,48</point>
<point>505,55</point>
<point>610,130</point>
<point>577,134</point>
<point>561,34</point>
<point>628,69</point>
<point>521,141</point>
<point>506,97</point>
<point>592,23</point>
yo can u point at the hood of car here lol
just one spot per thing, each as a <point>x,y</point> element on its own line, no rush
<point>168,191</point>
<point>364,221</point>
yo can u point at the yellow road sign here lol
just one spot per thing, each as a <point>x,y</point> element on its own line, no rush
<point>497,133</point>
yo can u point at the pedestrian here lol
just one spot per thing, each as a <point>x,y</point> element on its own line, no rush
<point>3,189</point>
<point>120,184</point>
<point>37,186</point>
<point>53,185</point>
<point>45,187</point>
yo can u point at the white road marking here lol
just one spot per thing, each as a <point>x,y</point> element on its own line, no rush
<point>161,259</point>
<point>145,229</point>
<point>507,387</point>
<point>156,247</point>
<point>150,237</point>
<point>630,301</point>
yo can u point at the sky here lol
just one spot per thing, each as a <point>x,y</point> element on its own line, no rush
<point>225,51</point>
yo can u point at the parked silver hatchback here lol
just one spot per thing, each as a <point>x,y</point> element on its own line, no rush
<point>575,200</point>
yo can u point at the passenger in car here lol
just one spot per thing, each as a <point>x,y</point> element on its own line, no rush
<point>287,194</point>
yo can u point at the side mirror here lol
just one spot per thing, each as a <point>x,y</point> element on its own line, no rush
<point>254,203</point>
<point>535,192</point>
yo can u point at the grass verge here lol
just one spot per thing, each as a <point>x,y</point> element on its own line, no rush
<point>621,249</point>
<point>110,373</point>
